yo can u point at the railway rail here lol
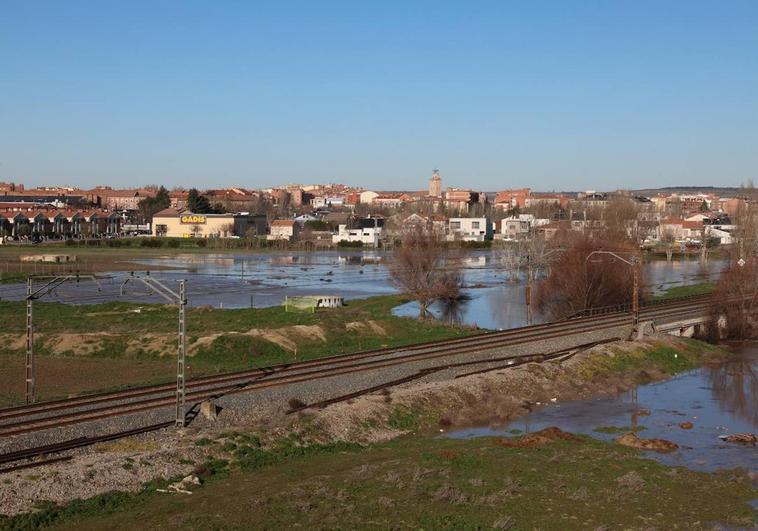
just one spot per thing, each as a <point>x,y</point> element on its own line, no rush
<point>57,413</point>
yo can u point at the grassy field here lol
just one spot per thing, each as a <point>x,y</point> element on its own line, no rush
<point>96,347</point>
<point>701,288</point>
<point>425,483</point>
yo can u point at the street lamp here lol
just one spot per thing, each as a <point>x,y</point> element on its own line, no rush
<point>634,263</point>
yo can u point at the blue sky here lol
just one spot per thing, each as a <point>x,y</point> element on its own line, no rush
<point>565,94</point>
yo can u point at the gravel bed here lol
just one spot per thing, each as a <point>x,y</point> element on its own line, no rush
<point>263,403</point>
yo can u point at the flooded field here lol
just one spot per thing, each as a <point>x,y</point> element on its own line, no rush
<point>717,400</point>
<point>495,295</point>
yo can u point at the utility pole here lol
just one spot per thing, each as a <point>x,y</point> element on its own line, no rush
<point>636,294</point>
<point>179,298</point>
<point>635,264</point>
<point>181,358</point>
<point>31,296</point>
<point>29,395</point>
<point>528,289</point>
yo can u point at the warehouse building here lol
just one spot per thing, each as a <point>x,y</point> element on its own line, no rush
<point>180,223</point>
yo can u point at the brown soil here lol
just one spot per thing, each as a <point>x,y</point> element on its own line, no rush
<point>538,438</point>
<point>370,326</point>
<point>64,376</point>
<point>657,445</point>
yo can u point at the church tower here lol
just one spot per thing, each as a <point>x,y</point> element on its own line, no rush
<point>435,184</point>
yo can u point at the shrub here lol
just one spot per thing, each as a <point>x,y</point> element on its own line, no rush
<point>151,242</point>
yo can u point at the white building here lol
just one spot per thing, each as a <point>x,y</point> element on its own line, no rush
<point>469,229</point>
<point>327,201</point>
<point>367,236</point>
<point>368,197</point>
<point>725,237</point>
<point>283,229</point>
<point>516,227</point>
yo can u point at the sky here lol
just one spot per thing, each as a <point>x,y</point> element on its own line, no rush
<point>556,95</point>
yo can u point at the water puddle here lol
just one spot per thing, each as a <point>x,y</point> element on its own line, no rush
<point>717,401</point>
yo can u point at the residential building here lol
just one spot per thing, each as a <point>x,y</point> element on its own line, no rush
<point>390,200</point>
<point>550,230</point>
<point>122,199</point>
<point>519,227</point>
<point>284,229</point>
<point>368,231</point>
<point>510,199</point>
<point>680,230</point>
<point>367,197</point>
<point>469,229</point>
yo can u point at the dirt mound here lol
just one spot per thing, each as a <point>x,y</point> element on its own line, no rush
<point>538,438</point>
<point>369,326</point>
<point>309,332</point>
<point>657,445</point>
<point>741,438</point>
<point>285,337</point>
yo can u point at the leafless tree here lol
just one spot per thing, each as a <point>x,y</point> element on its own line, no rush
<point>746,220</point>
<point>425,269</point>
<point>669,242</point>
<point>620,216</point>
<point>575,283</point>
<point>735,299</point>
<point>227,229</point>
<point>533,253</point>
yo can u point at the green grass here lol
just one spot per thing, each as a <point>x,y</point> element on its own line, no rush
<point>13,278</point>
<point>419,482</point>
<point>702,288</point>
<point>146,333</point>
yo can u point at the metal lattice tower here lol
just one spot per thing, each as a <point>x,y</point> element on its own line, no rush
<point>182,356</point>
<point>29,395</point>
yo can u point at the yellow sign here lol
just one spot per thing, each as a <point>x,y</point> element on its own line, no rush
<point>192,219</point>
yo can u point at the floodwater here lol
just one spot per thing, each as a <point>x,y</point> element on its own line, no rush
<point>495,297</point>
<point>717,400</point>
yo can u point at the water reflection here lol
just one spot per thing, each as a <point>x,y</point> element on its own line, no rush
<point>735,386</point>
<point>453,310</point>
<point>717,400</point>
<point>496,288</point>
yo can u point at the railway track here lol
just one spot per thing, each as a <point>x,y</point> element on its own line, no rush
<point>46,415</point>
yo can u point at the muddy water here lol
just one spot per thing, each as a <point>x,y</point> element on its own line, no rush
<point>717,400</point>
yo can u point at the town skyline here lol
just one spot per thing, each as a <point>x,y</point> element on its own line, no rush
<point>582,97</point>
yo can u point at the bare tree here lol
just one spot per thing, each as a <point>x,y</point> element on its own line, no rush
<point>227,229</point>
<point>669,241</point>
<point>620,216</point>
<point>575,283</point>
<point>424,268</point>
<point>735,299</point>
<point>746,220</point>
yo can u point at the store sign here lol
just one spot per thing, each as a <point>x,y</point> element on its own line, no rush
<point>193,219</point>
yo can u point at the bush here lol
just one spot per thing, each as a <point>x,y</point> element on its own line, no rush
<point>173,244</point>
<point>201,243</point>
<point>151,242</point>
<point>345,243</point>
